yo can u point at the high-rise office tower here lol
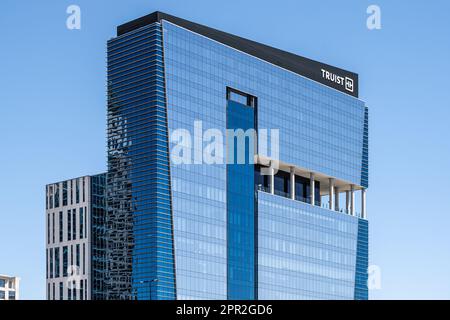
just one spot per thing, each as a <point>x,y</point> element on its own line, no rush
<point>286,222</point>
<point>75,238</point>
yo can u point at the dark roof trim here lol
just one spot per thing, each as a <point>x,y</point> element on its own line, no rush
<point>339,79</point>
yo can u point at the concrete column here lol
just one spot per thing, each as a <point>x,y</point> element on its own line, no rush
<point>272,180</point>
<point>363,204</point>
<point>312,187</point>
<point>336,198</point>
<point>347,202</point>
<point>331,192</point>
<point>17,282</point>
<point>352,200</point>
<point>292,180</point>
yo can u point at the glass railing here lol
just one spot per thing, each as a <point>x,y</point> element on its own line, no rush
<point>282,193</point>
<point>326,205</point>
<point>318,203</point>
<point>285,194</point>
<point>302,199</point>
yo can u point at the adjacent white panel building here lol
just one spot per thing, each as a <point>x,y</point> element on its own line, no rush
<point>9,287</point>
<point>75,212</point>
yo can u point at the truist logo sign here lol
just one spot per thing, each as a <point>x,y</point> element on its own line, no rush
<point>345,82</point>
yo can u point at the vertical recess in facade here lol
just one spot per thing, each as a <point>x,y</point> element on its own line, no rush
<point>241,255</point>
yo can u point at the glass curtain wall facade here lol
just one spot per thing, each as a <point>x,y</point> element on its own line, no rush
<point>203,231</point>
<point>99,236</point>
<point>320,129</point>
<point>140,248</point>
<point>304,252</point>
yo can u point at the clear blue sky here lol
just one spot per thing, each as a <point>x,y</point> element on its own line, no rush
<point>52,115</point>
